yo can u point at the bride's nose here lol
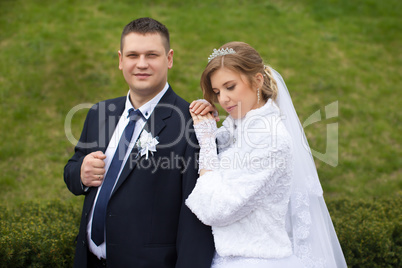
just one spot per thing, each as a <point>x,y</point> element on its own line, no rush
<point>224,97</point>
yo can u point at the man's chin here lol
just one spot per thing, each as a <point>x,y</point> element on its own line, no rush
<point>145,90</point>
<point>142,87</point>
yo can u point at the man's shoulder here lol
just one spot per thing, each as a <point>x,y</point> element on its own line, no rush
<point>110,104</point>
<point>182,102</point>
<point>178,100</point>
<point>116,101</point>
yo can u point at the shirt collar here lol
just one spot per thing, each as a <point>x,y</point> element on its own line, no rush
<point>148,107</point>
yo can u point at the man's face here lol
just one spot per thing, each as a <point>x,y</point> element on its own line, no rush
<point>145,63</point>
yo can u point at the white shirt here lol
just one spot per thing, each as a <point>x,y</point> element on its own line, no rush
<point>146,110</point>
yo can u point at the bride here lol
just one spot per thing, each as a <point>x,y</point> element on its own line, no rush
<point>258,186</point>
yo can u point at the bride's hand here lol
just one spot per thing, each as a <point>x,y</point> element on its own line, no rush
<point>198,118</point>
<point>205,130</point>
<point>203,107</point>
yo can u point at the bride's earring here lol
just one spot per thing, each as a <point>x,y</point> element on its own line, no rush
<point>258,95</point>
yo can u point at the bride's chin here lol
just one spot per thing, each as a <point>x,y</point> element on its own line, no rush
<point>236,115</point>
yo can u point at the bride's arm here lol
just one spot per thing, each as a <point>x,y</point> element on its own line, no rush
<point>226,195</point>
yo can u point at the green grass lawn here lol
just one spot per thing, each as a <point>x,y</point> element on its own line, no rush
<point>59,54</point>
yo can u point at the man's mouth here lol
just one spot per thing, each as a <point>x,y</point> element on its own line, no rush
<point>142,75</point>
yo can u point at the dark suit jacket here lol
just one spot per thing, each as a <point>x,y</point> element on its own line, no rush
<point>148,224</point>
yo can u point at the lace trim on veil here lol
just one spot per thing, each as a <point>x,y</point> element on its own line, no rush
<point>308,222</point>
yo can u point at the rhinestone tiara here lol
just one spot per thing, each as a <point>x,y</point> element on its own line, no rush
<point>220,52</point>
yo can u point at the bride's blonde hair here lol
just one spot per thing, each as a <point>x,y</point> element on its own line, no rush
<point>247,61</point>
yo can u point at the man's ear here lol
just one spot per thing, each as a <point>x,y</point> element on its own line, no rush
<point>170,58</point>
<point>120,60</point>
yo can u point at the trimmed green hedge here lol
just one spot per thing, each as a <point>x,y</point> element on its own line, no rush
<point>43,234</point>
<point>38,235</point>
<point>370,232</point>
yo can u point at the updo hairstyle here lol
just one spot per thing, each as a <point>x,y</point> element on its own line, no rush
<point>246,61</point>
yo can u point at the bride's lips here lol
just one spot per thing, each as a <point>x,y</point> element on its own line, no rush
<point>230,108</point>
<point>142,75</point>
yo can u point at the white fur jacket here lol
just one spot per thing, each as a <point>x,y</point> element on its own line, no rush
<point>245,199</point>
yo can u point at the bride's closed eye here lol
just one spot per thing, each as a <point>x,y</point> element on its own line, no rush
<point>231,87</point>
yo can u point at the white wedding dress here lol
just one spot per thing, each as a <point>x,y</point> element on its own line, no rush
<point>243,262</point>
<point>263,198</point>
<point>245,198</point>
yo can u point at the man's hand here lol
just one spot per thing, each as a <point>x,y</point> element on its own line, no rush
<point>93,169</point>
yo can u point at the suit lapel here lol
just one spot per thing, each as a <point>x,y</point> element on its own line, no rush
<point>155,124</point>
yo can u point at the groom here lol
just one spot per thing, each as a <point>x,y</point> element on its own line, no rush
<point>134,213</point>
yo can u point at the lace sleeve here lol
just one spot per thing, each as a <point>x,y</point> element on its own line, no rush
<point>205,132</point>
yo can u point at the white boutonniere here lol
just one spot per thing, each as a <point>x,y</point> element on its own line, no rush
<point>146,143</point>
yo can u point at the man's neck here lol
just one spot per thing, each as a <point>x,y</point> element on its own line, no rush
<point>138,100</point>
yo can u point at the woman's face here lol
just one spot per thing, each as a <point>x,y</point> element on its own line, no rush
<point>234,92</point>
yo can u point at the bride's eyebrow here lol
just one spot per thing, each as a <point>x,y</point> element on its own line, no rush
<point>224,84</point>
<point>228,82</point>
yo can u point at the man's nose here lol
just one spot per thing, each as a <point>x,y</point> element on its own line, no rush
<point>142,62</point>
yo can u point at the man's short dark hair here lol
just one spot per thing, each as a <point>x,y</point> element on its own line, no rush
<point>146,26</point>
